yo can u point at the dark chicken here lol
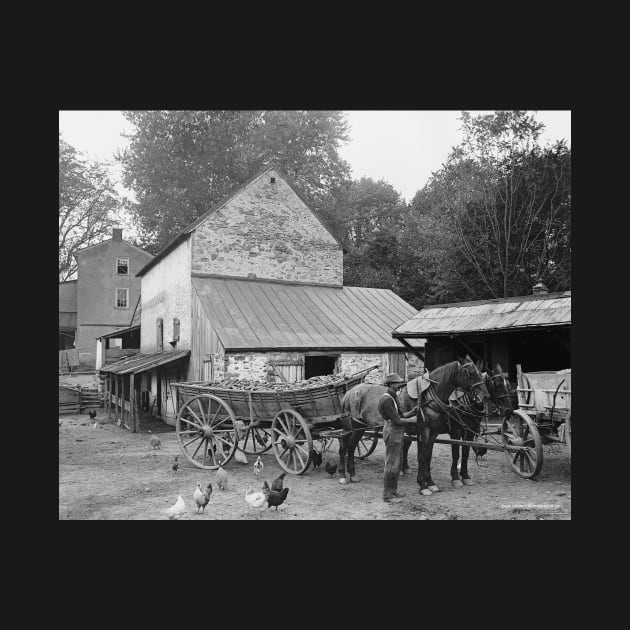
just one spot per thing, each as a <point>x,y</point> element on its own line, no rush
<point>274,498</point>
<point>278,483</point>
<point>331,469</point>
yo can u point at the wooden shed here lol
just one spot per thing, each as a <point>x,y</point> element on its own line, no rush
<point>533,331</point>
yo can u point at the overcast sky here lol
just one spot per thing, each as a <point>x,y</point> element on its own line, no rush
<point>401,147</point>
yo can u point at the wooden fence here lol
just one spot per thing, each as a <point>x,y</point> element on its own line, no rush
<point>68,359</point>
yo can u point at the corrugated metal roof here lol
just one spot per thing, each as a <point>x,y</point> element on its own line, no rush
<point>143,362</point>
<point>529,311</point>
<point>257,315</point>
<point>67,320</point>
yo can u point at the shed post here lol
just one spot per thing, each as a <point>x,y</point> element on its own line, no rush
<point>116,399</point>
<point>108,395</point>
<point>122,400</point>
<point>132,397</point>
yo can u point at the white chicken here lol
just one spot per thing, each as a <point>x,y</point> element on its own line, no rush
<point>241,429</point>
<point>222,478</point>
<point>258,466</point>
<point>175,511</point>
<point>240,457</point>
<point>256,499</point>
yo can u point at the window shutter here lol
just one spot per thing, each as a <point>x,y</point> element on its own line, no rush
<point>159,329</point>
<point>175,329</point>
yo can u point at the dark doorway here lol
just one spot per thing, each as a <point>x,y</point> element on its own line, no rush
<point>319,365</point>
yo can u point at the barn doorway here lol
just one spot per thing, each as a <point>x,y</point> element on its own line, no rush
<point>319,365</point>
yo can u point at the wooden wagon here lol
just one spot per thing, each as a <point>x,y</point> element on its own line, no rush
<point>214,421</point>
<point>542,417</point>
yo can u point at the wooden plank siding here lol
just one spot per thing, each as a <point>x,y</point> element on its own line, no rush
<point>203,341</point>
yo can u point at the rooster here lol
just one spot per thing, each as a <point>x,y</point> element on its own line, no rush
<point>258,466</point>
<point>92,414</point>
<point>175,511</point>
<point>278,483</point>
<point>330,468</point>
<point>256,499</point>
<point>222,478</point>
<point>155,441</point>
<point>202,498</point>
<point>175,465</point>
<point>317,459</point>
<point>273,497</point>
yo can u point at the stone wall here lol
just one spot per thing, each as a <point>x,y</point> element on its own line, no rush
<point>349,363</point>
<point>268,231</point>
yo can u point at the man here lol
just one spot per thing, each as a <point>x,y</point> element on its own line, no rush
<point>393,435</point>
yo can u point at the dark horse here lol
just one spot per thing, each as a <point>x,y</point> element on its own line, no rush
<point>361,406</point>
<point>433,411</point>
<point>464,422</point>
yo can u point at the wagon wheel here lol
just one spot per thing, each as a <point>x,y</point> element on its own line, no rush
<point>520,430</point>
<point>567,431</point>
<point>292,441</point>
<point>367,445</point>
<point>206,431</point>
<point>256,441</point>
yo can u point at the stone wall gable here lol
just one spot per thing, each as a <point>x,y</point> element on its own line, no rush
<point>267,230</point>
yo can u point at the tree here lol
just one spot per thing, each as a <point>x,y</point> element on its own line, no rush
<point>180,163</point>
<point>87,203</point>
<point>500,211</point>
<point>371,224</point>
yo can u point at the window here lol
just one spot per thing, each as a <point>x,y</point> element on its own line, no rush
<point>159,334</point>
<point>122,298</point>
<point>115,342</point>
<point>122,266</point>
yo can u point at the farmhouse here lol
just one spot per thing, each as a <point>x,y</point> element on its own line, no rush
<point>254,288</point>
<point>102,298</point>
<point>533,331</point>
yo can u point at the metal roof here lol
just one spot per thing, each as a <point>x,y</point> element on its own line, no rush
<point>143,362</point>
<point>122,331</point>
<point>67,320</point>
<point>258,314</point>
<point>529,311</point>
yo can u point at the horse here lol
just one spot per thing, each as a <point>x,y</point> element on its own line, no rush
<point>433,411</point>
<point>360,407</point>
<point>465,416</point>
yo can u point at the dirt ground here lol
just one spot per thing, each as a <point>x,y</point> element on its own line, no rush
<point>108,473</point>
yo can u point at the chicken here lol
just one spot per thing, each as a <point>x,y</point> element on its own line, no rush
<point>155,441</point>
<point>278,482</point>
<point>330,468</point>
<point>222,478</point>
<point>273,497</point>
<point>175,511</point>
<point>92,414</point>
<point>175,465</point>
<point>241,429</point>
<point>258,466</point>
<point>256,499</point>
<point>95,425</point>
<point>202,497</point>
<point>317,459</point>
<point>240,457</point>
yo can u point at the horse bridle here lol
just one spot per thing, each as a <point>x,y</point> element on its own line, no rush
<point>503,376</point>
<point>477,384</point>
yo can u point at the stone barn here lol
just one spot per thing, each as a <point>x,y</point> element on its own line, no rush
<point>254,288</point>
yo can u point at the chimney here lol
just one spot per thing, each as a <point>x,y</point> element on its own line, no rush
<point>540,288</point>
<point>117,234</point>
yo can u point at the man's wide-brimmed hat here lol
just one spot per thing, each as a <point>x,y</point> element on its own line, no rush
<point>392,378</point>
